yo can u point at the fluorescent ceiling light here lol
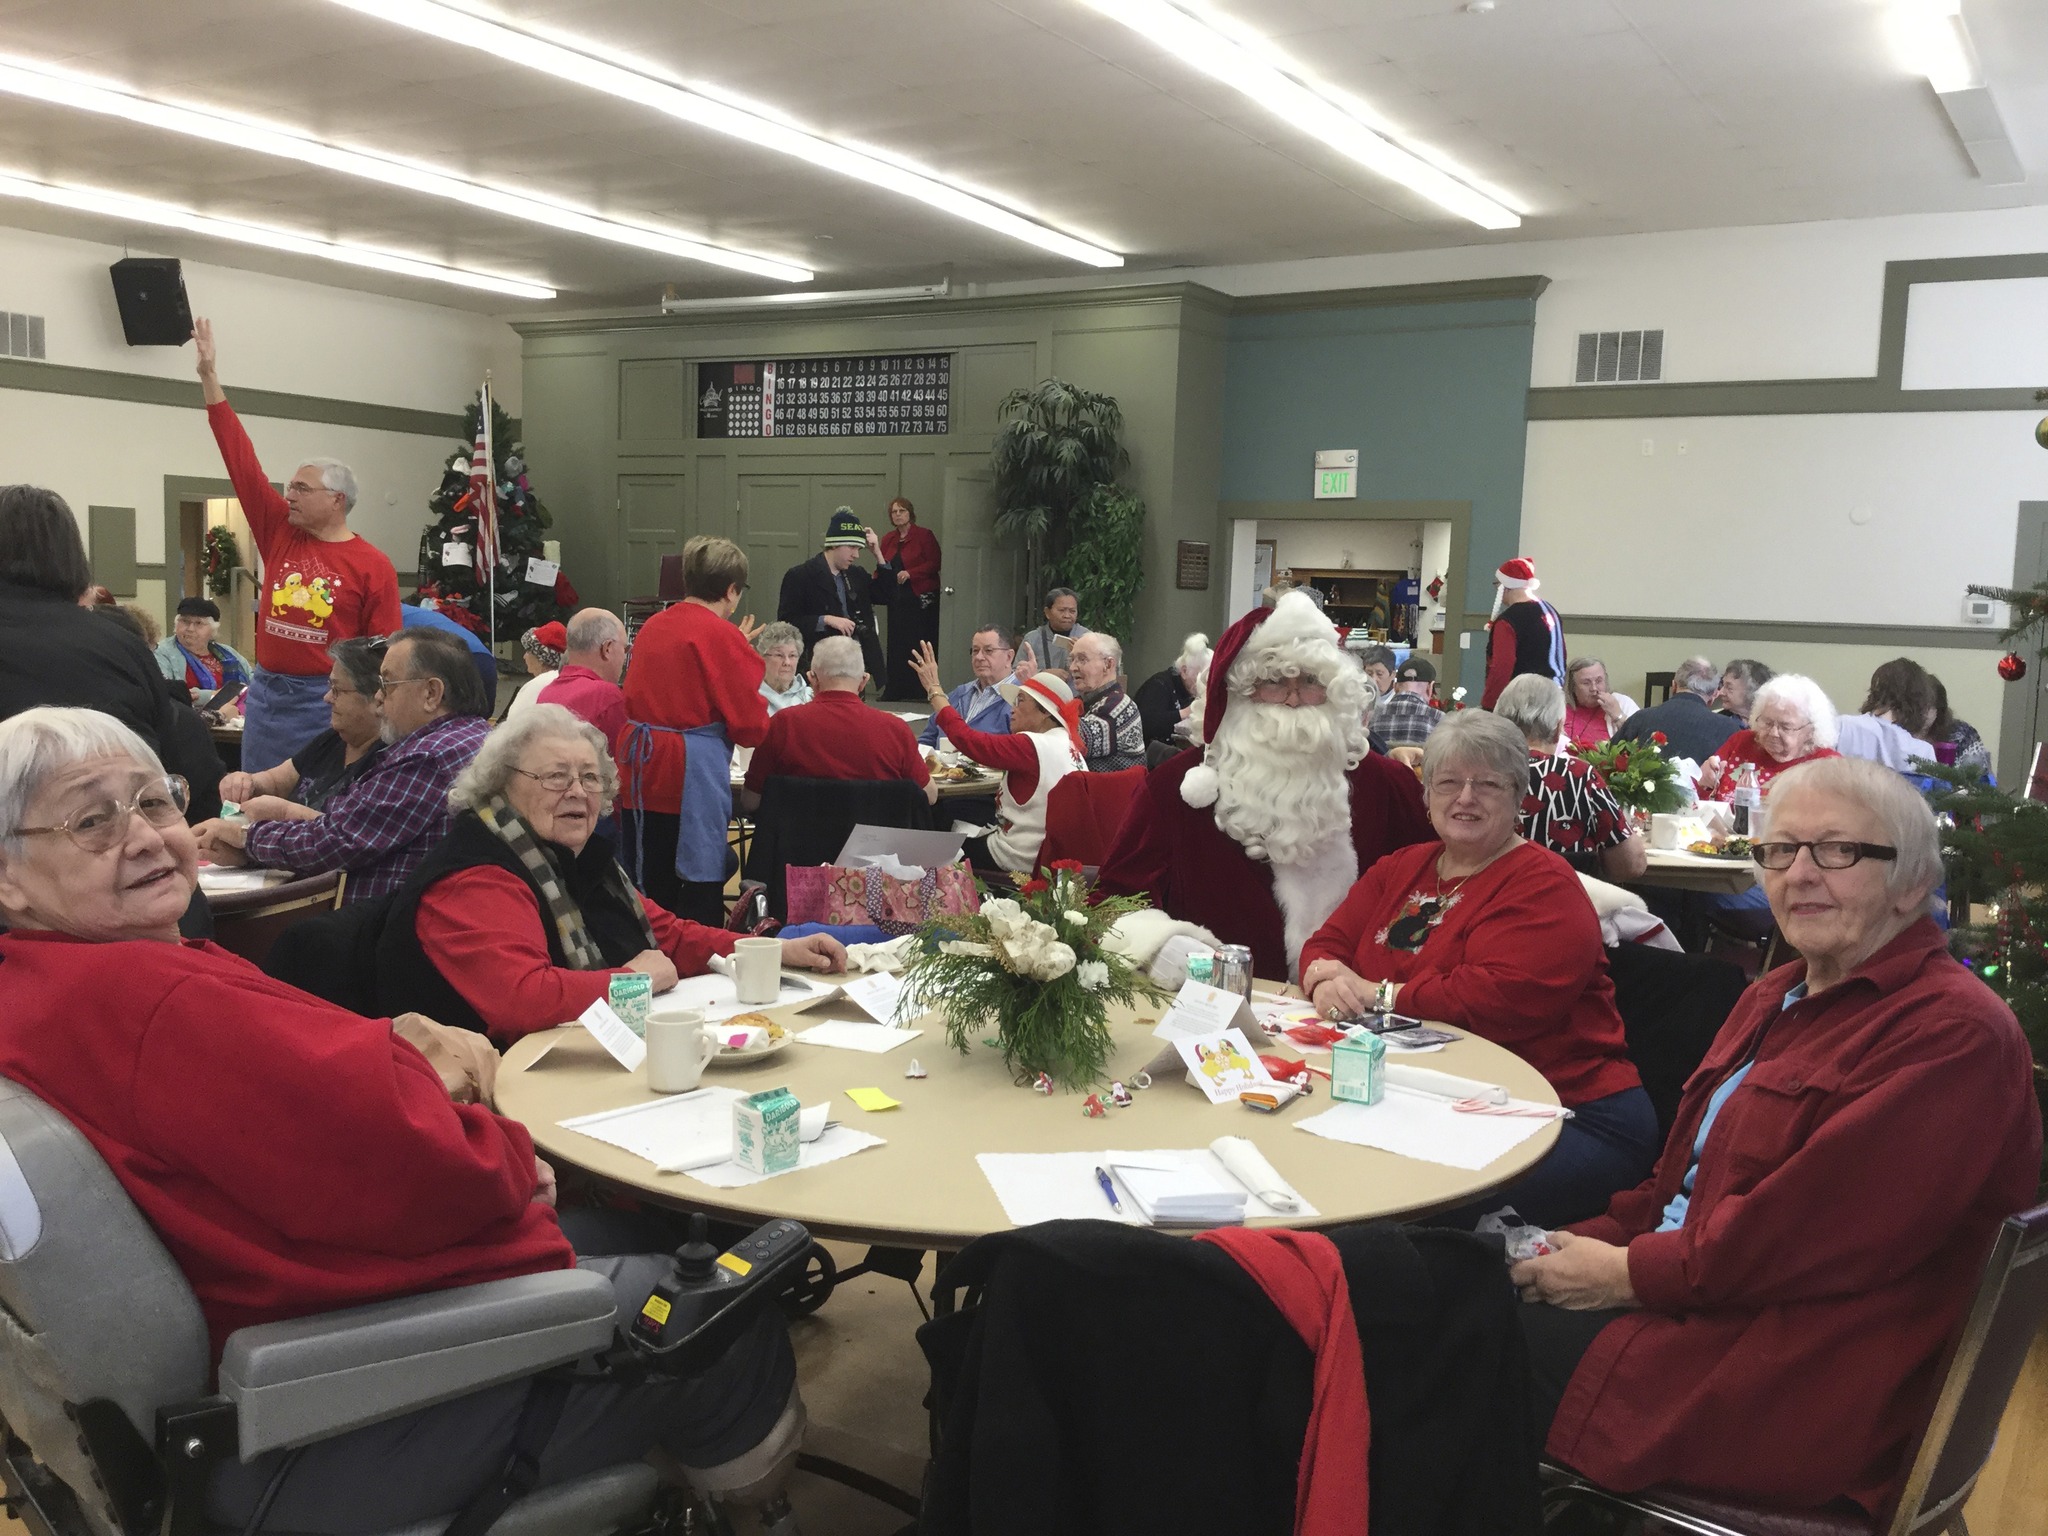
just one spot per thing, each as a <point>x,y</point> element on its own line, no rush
<point>913,293</point>
<point>43,82</point>
<point>708,107</point>
<point>144,210</point>
<point>1252,66</point>
<point>1929,39</point>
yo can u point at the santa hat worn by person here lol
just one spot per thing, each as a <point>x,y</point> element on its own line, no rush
<point>1516,575</point>
<point>1050,692</point>
<point>545,643</point>
<point>1264,631</point>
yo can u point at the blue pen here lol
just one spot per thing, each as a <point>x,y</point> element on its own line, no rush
<point>1109,1191</point>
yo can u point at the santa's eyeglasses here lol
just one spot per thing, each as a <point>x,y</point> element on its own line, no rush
<point>1290,690</point>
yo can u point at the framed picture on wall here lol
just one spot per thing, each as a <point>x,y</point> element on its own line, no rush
<point>1265,557</point>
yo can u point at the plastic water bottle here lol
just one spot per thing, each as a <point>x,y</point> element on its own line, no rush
<point>1746,799</point>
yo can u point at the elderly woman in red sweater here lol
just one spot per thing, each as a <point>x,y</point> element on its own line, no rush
<point>519,920</point>
<point>1489,932</point>
<point>1764,1317</point>
<point>297,1158</point>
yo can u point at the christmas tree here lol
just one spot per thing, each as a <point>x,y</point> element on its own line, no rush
<point>456,585</point>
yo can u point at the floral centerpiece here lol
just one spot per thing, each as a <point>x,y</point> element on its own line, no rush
<point>1035,966</point>
<point>1638,774</point>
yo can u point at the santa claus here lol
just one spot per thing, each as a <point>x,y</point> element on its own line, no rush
<point>1254,838</point>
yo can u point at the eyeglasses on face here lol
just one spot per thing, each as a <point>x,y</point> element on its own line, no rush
<point>559,781</point>
<point>1278,690</point>
<point>1826,855</point>
<point>1450,788</point>
<point>386,684</point>
<point>103,825</point>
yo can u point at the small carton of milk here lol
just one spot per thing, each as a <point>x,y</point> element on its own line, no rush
<point>1358,1069</point>
<point>764,1131</point>
<point>631,994</point>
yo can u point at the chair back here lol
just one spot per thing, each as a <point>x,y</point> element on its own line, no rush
<point>1671,1007</point>
<point>1084,812</point>
<point>250,929</point>
<point>333,955</point>
<point>670,584</point>
<point>807,821</point>
<point>92,1307</point>
<point>2004,1321</point>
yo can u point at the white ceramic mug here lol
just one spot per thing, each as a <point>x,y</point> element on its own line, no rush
<point>757,970</point>
<point>679,1047</point>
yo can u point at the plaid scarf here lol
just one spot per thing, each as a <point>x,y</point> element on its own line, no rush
<point>577,944</point>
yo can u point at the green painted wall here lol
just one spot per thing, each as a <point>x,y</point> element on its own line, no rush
<point>1434,395</point>
<point>609,417</point>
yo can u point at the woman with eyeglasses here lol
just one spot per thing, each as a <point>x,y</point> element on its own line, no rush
<point>297,1159</point>
<point>1766,1315</point>
<point>1488,932</point>
<point>520,918</point>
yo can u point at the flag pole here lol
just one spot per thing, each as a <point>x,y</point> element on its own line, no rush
<point>490,510</point>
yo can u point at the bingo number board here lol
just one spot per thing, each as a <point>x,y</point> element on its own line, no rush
<point>900,396</point>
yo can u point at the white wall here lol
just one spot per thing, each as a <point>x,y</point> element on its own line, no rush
<point>1367,544</point>
<point>274,333</point>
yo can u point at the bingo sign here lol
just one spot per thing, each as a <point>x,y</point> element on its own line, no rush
<point>906,395</point>
<point>1336,474</point>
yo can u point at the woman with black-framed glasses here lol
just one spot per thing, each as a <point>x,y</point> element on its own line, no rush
<point>1764,1317</point>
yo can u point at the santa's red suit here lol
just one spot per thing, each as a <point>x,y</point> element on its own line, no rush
<point>1173,844</point>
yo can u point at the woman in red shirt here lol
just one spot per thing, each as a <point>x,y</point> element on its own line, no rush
<point>520,919</point>
<point>1488,932</point>
<point>1765,1317</point>
<point>909,572</point>
<point>1791,721</point>
<point>1592,712</point>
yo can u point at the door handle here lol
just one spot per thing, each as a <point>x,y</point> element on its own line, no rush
<point>945,591</point>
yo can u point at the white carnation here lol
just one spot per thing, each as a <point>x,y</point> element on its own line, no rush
<point>1093,974</point>
<point>1075,918</point>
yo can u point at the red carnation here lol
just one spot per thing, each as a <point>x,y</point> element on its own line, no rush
<point>1660,738</point>
<point>1621,763</point>
<point>1033,887</point>
<point>1074,866</point>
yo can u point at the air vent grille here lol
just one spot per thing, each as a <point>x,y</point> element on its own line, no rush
<point>21,335</point>
<point>1619,357</point>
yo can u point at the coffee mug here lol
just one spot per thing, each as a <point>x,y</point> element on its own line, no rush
<point>757,970</point>
<point>679,1047</point>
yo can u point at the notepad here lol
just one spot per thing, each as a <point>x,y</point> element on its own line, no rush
<point>1061,1186</point>
<point>872,1099</point>
<point>852,1035</point>
<point>1181,1194</point>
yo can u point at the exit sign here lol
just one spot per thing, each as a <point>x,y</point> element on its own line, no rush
<point>1336,474</point>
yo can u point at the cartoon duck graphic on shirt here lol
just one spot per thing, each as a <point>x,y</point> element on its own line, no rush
<point>300,606</point>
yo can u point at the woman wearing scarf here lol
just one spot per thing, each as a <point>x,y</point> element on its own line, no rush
<point>520,919</point>
<point>193,654</point>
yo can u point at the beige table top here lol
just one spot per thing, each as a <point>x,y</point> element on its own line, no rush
<point>1682,871</point>
<point>923,1188</point>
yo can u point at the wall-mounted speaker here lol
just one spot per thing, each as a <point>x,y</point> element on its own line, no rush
<point>151,293</point>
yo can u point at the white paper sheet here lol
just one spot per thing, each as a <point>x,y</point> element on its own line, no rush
<point>715,995</point>
<point>928,850</point>
<point>215,880</point>
<point>840,1141</point>
<point>849,1035</point>
<point>542,573</point>
<point>680,1134</point>
<point>1199,1010</point>
<point>1425,1128</point>
<point>879,996</point>
<point>612,1032</point>
<point>1059,1186</point>
<point>455,554</point>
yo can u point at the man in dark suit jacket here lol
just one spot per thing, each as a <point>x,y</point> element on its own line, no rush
<point>828,594</point>
<point>1686,720</point>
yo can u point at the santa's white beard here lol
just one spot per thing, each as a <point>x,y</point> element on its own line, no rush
<point>1281,786</point>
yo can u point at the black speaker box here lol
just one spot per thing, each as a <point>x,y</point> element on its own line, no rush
<point>151,293</point>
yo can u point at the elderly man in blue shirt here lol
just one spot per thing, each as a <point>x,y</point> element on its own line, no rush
<point>991,657</point>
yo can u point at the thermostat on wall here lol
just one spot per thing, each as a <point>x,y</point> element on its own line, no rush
<point>1980,610</point>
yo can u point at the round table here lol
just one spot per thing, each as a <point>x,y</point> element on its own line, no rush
<point>923,1188</point>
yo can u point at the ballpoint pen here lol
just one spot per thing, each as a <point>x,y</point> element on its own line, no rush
<point>1109,1191</point>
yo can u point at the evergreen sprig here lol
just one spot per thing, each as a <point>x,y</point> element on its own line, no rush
<point>1636,773</point>
<point>977,970</point>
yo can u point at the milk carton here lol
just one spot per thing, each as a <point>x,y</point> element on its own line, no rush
<point>631,995</point>
<point>764,1131</point>
<point>1358,1069</point>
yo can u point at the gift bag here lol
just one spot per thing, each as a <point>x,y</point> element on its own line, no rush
<point>830,893</point>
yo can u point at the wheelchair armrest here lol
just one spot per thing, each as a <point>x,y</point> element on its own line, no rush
<point>311,1378</point>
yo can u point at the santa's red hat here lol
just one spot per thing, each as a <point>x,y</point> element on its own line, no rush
<point>1516,575</point>
<point>1290,621</point>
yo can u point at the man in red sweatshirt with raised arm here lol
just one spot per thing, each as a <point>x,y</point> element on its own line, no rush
<point>320,582</point>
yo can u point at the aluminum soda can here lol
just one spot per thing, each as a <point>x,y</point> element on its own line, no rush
<point>1234,971</point>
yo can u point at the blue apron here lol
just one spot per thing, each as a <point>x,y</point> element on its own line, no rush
<point>281,713</point>
<point>705,811</point>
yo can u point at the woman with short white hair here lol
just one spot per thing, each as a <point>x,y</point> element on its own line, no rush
<point>298,1159</point>
<point>1806,1248</point>
<point>1491,933</point>
<point>781,648</point>
<point>521,917</point>
<point>1791,721</point>
<point>1166,698</point>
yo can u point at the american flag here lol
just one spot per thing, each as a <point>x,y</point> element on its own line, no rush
<point>481,499</point>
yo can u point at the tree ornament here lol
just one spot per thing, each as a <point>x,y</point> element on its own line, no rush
<point>2012,666</point>
<point>2041,431</point>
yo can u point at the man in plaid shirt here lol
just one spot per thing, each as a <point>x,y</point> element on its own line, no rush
<point>382,827</point>
<point>1405,717</point>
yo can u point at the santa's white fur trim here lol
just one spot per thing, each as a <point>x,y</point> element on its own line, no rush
<point>1139,936</point>
<point>1309,891</point>
<point>1200,786</point>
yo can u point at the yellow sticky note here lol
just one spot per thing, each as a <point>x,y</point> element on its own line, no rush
<point>871,1098</point>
